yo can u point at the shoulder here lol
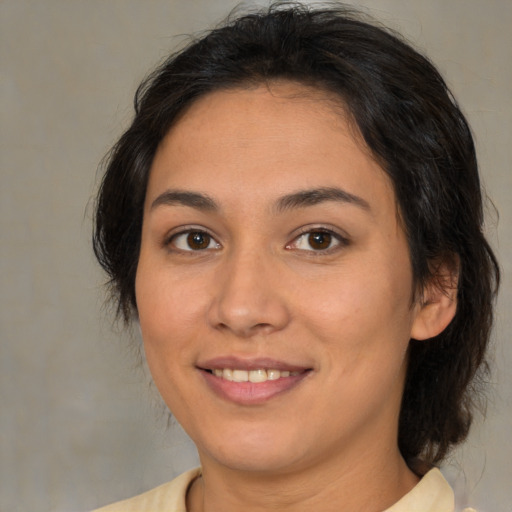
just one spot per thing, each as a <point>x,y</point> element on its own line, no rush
<point>169,496</point>
<point>432,494</point>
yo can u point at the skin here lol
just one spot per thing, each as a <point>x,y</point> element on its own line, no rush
<point>260,289</point>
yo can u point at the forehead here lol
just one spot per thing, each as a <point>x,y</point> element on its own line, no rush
<point>267,140</point>
<point>271,106</point>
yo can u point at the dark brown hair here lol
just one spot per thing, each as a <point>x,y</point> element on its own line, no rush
<point>414,128</point>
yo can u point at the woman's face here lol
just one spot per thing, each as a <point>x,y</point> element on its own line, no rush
<point>274,282</point>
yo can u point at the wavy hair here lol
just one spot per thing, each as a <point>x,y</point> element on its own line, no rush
<point>414,128</point>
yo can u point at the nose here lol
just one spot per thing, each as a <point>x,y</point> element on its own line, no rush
<point>248,298</point>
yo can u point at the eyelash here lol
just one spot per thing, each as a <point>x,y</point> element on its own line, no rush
<point>335,240</point>
<point>170,241</point>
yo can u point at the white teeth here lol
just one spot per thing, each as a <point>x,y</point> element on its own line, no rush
<point>273,374</point>
<point>255,376</point>
<point>240,375</point>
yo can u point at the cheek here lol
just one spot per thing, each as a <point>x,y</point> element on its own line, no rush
<point>363,317</point>
<point>163,300</point>
<point>168,323</point>
<point>168,314</point>
<point>357,298</point>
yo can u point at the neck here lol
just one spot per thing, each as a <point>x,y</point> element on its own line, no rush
<point>370,484</point>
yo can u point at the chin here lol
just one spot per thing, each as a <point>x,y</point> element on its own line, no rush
<point>259,452</point>
<point>261,461</point>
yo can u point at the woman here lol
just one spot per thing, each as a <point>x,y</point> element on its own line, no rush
<point>294,218</point>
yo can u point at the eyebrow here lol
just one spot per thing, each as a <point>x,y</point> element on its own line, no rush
<point>311,197</point>
<point>299,199</point>
<point>183,198</point>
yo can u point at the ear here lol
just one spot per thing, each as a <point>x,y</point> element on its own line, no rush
<point>437,303</point>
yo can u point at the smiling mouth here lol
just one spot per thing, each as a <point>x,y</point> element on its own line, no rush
<point>251,381</point>
<point>254,376</point>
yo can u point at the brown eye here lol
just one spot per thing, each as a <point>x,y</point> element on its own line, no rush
<point>197,240</point>
<point>319,240</point>
<point>193,241</point>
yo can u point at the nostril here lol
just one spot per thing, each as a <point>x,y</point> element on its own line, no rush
<point>246,330</point>
<point>246,314</point>
<point>261,326</point>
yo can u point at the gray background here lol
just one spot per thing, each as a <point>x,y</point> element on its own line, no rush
<point>79,424</point>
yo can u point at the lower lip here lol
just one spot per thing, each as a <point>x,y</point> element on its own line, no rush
<point>251,393</point>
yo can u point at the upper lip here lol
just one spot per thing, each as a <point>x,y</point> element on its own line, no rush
<point>256,363</point>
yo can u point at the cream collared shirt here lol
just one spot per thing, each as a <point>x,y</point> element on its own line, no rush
<point>431,494</point>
